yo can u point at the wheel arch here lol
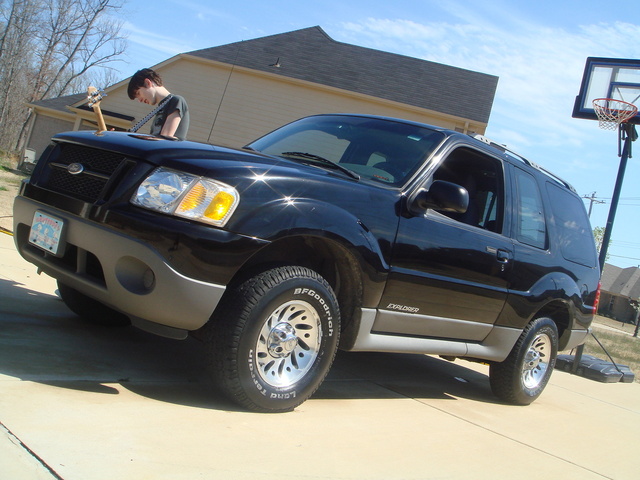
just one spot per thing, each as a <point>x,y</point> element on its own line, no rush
<point>560,313</point>
<point>344,268</point>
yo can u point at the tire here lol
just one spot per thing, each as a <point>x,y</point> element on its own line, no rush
<point>91,310</point>
<point>524,374</point>
<point>273,341</point>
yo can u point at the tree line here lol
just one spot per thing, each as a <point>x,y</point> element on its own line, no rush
<point>52,48</point>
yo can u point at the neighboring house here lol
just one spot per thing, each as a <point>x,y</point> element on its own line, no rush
<point>240,91</point>
<point>620,287</point>
<point>66,113</point>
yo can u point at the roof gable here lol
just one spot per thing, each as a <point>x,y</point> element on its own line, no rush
<point>621,281</point>
<point>311,55</point>
<point>60,103</point>
<point>77,100</point>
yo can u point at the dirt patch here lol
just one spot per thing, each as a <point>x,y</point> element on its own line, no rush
<point>10,180</point>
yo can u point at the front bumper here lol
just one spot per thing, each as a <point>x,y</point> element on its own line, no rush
<point>119,271</point>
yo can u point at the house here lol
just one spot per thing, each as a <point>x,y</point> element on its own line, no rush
<point>240,91</point>
<point>620,289</point>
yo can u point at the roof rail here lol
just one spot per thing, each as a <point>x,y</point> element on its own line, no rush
<point>517,156</point>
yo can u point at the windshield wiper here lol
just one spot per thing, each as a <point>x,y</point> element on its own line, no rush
<point>318,158</point>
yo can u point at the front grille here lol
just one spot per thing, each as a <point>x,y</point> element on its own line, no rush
<point>83,186</point>
<point>99,167</point>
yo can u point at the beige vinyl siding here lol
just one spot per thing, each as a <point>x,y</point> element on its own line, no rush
<point>231,105</point>
<point>249,104</point>
<point>245,104</point>
<point>49,126</point>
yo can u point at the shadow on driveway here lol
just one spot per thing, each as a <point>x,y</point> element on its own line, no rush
<point>42,341</point>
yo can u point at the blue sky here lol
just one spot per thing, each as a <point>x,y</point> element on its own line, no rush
<point>537,49</point>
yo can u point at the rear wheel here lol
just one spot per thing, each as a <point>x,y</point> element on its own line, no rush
<point>524,374</point>
<point>273,341</point>
<point>89,309</point>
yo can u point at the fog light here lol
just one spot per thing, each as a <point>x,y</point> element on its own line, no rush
<point>135,275</point>
<point>149,279</point>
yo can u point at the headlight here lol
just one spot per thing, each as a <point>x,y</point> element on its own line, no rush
<point>188,196</point>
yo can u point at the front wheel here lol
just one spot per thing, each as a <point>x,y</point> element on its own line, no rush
<point>524,374</point>
<point>274,339</point>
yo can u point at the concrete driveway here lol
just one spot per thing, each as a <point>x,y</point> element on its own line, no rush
<point>85,402</point>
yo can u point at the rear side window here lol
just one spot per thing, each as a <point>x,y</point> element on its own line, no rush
<point>531,228</point>
<point>574,230</point>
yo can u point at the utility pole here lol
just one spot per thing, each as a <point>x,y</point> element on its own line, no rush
<point>592,200</point>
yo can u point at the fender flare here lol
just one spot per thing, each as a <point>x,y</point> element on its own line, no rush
<point>283,218</point>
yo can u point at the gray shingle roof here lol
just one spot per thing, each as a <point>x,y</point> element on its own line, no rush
<point>311,55</point>
<point>61,104</point>
<point>621,281</point>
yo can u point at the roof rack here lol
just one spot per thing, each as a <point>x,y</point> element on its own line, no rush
<point>517,156</point>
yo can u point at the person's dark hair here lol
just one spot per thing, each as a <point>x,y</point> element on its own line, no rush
<point>138,78</point>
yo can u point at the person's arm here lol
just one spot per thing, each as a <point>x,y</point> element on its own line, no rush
<point>171,124</point>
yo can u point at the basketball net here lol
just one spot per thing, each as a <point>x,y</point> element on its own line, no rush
<point>611,112</point>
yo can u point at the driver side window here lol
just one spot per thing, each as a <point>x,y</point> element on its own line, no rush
<point>482,177</point>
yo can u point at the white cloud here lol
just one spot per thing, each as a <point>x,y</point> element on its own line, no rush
<point>539,68</point>
<point>185,33</point>
<point>154,41</point>
<point>203,12</point>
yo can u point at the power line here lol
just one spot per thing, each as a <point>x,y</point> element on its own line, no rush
<point>598,199</point>
<point>627,258</point>
<point>621,198</point>
<point>623,243</point>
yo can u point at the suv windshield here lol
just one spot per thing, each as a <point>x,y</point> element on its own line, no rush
<point>375,149</point>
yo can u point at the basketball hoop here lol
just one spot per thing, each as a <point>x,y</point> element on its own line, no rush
<point>611,112</point>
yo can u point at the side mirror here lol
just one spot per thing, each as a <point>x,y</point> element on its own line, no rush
<point>442,196</point>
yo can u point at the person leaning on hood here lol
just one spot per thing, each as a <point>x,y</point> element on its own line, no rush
<point>172,120</point>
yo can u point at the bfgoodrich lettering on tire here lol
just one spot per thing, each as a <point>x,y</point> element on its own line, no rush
<point>274,339</point>
<point>521,378</point>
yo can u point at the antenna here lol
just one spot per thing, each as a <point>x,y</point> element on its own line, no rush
<point>224,92</point>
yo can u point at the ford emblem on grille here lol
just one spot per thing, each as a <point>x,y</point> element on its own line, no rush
<point>75,168</point>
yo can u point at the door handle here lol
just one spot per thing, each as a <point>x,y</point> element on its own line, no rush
<point>503,256</point>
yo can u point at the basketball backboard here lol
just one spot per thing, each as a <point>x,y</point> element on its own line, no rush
<point>608,78</point>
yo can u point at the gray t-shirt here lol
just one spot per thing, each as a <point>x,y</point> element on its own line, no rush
<point>176,102</point>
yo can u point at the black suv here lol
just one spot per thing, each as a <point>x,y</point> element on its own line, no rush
<point>335,231</point>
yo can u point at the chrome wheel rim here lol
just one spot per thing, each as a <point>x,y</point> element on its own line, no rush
<point>536,361</point>
<point>288,344</point>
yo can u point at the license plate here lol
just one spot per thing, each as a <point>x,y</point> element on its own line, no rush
<point>46,233</point>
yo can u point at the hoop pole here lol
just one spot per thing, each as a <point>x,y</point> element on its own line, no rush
<point>631,136</point>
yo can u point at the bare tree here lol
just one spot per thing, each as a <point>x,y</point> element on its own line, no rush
<point>46,48</point>
<point>16,45</point>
